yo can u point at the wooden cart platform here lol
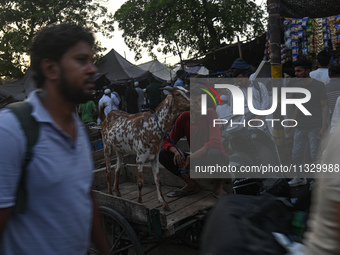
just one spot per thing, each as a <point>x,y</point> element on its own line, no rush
<point>182,208</point>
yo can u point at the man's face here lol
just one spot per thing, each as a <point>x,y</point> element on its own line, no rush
<point>242,80</point>
<point>76,73</point>
<point>301,72</point>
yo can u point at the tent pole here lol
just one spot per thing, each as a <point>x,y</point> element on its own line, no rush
<point>239,47</point>
<point>275,61</point>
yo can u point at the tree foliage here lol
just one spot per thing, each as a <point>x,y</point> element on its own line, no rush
<point>196,26</point>
<point>21,19</point>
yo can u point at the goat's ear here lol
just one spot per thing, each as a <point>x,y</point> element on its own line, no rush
<point>172,101</point>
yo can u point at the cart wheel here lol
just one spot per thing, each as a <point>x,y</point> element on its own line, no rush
<point>191,235</point>
<point>120,235</point>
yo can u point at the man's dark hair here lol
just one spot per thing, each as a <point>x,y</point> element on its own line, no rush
<point>304,63</point>
<point>334,69</point>
<point>179,73</point>
<point>323,58</point>
<point>52,42</point>
<point>243,72</point>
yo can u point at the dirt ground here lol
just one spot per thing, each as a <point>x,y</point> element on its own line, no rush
<point>173,246</point>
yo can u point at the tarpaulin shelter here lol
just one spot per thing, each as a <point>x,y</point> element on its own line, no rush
<point>158,70</point>
<point>220,59</point>
<point>120,71</point>
<point>18,90</point>
<point>309,8</point>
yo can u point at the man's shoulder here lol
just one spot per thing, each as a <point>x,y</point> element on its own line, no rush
<point>178,82</point>
<point>333,86</point>
<point>153,86</point>
<point>9,124</point>
<point>91,103</point>
<point>317,83</point>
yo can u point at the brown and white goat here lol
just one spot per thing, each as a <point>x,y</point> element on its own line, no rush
<point>140,135</point>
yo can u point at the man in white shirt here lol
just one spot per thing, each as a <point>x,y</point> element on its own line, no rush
<point>106,102</point>
<point>140,92</point>
<point>321,74</point>
<point>260,95</point>
<point>115,100</point>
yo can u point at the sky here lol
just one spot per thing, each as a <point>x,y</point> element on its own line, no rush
<point>117,42</point>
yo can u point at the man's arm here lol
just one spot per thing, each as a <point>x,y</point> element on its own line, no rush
<point>197,154</point>
<point>4,216</point>
<point>324,114</point>
<point>97,234</point>
<point>94,112</point>
<point>115,99</point>
<point>178,158</point>
<point>336,114</point>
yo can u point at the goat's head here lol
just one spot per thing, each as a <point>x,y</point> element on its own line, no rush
<point>180,98</point>
<point>101,112</point>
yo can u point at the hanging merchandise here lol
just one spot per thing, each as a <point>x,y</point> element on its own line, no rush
<point>306,37</point>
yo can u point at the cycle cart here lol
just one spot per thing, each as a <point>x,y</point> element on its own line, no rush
<point>131,227</point>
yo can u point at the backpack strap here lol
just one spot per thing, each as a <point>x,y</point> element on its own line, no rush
<point>23,110</point>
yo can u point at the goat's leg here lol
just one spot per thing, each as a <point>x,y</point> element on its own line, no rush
<point>107,152</point>
<point>117,172</point>
<point>140,180</point>
<point>157,178</point>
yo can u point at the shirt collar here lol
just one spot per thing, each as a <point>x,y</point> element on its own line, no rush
<point>39,111</point>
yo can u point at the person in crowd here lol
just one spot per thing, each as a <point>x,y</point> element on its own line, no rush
<point>335,116</point>
<point>224,111</point>
<point>153,94</point>
<point>323,61</point>
<point>310,127</point>
<point>105,104</point>
<point>169,83</point>
<point>131,99</point>
<point>333,87</point>
<point>205,144</point>
<point>323,225</point>
<point>254,67</point>
<point>88,111</point>
<point>260,95</point>
<point>115,99</point>
<point>60,214</point>
<point>165,91</point>
<point>140,93</point>
<point>180,79</point>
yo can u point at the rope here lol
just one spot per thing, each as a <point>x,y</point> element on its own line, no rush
<point>172,141</point>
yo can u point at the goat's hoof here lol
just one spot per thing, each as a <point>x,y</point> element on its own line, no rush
<point>166,208</point>
<point>139,201</point>
<point>118,194</point>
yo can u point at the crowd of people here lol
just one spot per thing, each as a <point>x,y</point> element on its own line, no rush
<point>61,217</point>
<point>134,100</point>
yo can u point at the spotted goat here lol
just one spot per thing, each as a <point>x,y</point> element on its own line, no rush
<point>142,135</point>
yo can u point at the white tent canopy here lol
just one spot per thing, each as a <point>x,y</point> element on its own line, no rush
<point>201,70</point>
<point>159,70</point>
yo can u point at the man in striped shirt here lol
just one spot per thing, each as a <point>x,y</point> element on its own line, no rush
<point>333,88</point>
